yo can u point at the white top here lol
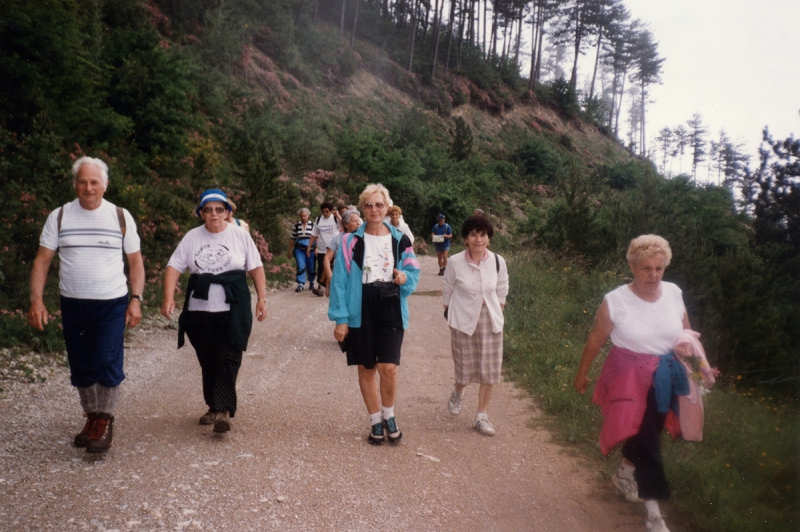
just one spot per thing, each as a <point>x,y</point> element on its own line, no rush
<point>202,251</point>
<point>645,327</point>
<point>90,249</point>
<point>402,226</point>
<point>467,286</point>
<point>325,229</point>
<point>378,259</point>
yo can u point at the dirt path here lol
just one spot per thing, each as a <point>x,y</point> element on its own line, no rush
<point>297,459</point>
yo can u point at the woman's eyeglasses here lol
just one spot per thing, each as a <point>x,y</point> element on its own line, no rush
<point>218,210</point>
<point>377,205</point>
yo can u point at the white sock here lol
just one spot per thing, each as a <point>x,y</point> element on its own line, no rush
<point>388,412</point>
<point>626,470</point>
<point>653,511</point>
<point>375,418</point>
<point>482,415</point>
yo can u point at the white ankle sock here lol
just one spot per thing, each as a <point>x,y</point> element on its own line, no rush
<point>388,412</point>
<point>653,511</point>
<point>375,418</point>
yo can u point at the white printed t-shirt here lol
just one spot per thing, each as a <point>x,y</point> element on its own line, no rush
<point>90,250</point>
<point>378,259</point>
<point>325,229</point>
<point>202,251</point>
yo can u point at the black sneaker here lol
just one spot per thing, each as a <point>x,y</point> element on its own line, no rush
<point>441,271</point>
<point>82,438</point>
<point>299,288</point>
<point>376,436</point>
<point>101,434</point>
<point>393,434</point>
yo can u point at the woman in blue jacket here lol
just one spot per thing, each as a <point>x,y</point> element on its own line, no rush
<point>368,303</point>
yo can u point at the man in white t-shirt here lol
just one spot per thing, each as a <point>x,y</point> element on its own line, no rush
<point>326,227</point>
<point>91,235</point>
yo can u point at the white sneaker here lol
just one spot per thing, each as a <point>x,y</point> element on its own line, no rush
<point>656,525</point>
<point>627,486</point>
<point>454,404</point>
<point>483,426</point>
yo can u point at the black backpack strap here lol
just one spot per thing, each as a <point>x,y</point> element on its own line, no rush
<point>497,262</point>
<point>60,217</point>
<point>122,223</point>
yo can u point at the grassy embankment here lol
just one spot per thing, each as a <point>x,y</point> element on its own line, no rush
<point>742,477</point>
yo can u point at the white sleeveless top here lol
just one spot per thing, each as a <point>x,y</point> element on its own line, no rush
<point>644,327</point>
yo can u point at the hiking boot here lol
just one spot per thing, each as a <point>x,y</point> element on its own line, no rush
<point>393,434</point>
<point>454,404</point>
<point>376,436</point>
<point>483,426</point>
<point>222,423</point>
<point>101,434</point>
<point>627,486</point>
<point>441,271</point>
<point>656,525</point>
<point>82,438</point>
<point>208,418</point>
<point>299,288</point>
<point>318,291</point>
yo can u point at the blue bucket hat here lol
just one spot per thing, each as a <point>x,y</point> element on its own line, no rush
<point>212,194</point>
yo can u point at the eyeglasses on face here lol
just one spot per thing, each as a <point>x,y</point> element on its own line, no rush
<point>378,205</point>
<point>218,210</point>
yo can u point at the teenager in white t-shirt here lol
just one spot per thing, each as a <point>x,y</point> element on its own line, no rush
<point>326,227</point>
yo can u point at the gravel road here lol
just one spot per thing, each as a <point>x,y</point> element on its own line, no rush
<point>297,458</point>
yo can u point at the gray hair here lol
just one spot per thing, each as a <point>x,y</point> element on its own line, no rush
<point>89,160</point>
<point>303,211</point>
<point>347,215</point>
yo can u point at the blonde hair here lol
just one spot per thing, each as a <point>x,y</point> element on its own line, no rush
<point>646,246</point>
<point>395,209</point>
<point>371,189</point>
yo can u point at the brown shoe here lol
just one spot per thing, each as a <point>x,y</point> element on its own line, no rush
<point>208,418</point>
<point>82,438</point>
<point>222,424</point>
<point>101,434</point>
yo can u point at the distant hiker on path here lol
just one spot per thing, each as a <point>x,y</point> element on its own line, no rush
<point>217,315</point>
<point>475,287</point>
<point>441,234</point>
<point>641,376</point>
<point>376,270</point>
<point>396,219</point>
<point>299,243</point>
<point>325,229</point>
<point>91,235</point>
<point>351,221</point>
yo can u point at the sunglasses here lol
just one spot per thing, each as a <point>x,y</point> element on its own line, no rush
<point>377,205</point>
<point>218,210</point>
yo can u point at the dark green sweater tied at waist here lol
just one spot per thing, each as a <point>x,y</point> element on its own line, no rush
<point>237,295</point>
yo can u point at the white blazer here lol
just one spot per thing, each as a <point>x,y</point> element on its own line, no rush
<point>466,286</point>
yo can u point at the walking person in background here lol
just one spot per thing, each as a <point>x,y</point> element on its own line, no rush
<point>91,235</point>
<point>299,243</point>
<point>441,234</point>
<point>376,270</point>
<point>351,221</point>
<point>641,377</point>
<point>396,219</point>
<point>325,229</point>
<point>217,315</point>
<point>475,287</point>
<point>236,221</point>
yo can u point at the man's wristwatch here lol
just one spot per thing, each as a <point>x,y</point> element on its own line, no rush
<point>137,296</point>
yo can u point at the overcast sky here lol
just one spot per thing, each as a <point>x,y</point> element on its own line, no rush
<point>736,62</point>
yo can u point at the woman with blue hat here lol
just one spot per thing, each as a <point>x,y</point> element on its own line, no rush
<point>216,315</point>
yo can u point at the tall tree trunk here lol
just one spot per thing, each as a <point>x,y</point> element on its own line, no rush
<point>596,62</point>
<point>619,105</point>
<point>424,23</point>
<point>534,28</point>
<point>573,80</point>
<point>299,10</point>
<point>450,34</point>
<point>539,49</point>
<point>493,39</point>
<point>413,35</point>
<point>461,32</point>
<point>436,39</point>
<point>519,34</point>
<point>485,23</point>
<point>642,137</point>
<point>341,20</point>
<point>355,25</point>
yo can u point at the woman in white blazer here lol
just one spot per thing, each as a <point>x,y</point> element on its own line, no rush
<point>475,287</point>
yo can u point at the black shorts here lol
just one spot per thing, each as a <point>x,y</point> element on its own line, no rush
<point>380,337</point>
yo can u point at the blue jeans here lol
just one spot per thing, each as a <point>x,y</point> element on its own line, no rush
<point>93,330</point>
<point>305,265</point>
